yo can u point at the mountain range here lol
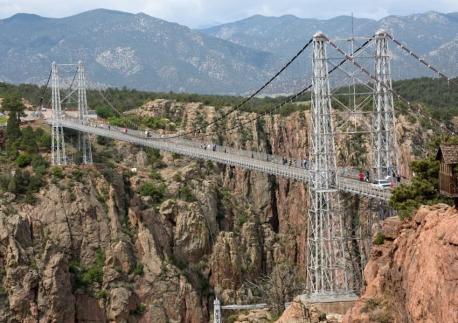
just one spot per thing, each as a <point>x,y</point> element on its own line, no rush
<point>143,52</point>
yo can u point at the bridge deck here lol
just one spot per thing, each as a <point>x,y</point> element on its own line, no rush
<point>255,161</point>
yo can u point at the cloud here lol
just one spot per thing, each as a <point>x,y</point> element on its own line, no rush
<point>203,12</point>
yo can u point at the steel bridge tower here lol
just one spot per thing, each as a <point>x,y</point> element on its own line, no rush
<point>326,270</point>
<point>84,144</point>
<point>384,162</point>
<point>58,156</point>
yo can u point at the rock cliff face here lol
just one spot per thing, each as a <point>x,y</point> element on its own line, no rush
<point>413,275</point>
<point>93,249</point>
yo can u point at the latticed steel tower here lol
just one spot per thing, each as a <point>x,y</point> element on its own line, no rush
<point>58,156</point>
<point>326,271</point>
<point>384,163</point>
<point>84,143</point>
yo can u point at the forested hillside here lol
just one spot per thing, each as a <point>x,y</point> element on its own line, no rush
<point>437,96</point>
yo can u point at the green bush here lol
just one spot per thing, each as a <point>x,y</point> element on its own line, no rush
<point>104,112</point>
<point>23,184</point>
<point>139,310</point>
<point>57,172</point>
<point>101,294</point>
<point>379,239</point>
<point>29,140</point>
<point>155,190</point>
<point>23,160</point>
<point>43,139</point>
<point>154,158</point>
<point>39,164</point>
<point>422,189</point>
<point>155,175</point>
<point>77,175</point>
<point>85,277</point>
<point>185,193</point>
<point>103,141</point>
<point>138,270</point>
<point>177,177</point>
<point>155,123</point>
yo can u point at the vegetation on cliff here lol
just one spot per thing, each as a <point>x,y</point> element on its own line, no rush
<point>22,148</point>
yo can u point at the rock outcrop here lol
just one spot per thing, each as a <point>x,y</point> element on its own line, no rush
<point>413,275</point>
<point>93,249</point>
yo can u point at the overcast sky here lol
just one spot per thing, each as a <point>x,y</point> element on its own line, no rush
<point>198,13</point>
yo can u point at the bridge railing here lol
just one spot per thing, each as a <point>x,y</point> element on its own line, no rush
<point>210,146</point>
<point>235,157</point>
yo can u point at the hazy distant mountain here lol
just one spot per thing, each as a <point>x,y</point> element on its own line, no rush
<point>123,49</point>
<point>139,51</point>
<point>432,35</point>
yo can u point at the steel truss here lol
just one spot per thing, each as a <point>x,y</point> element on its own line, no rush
<point>84,143</point>
<point>58,155</point>
<point>326,268</point>
<point>384,162</point>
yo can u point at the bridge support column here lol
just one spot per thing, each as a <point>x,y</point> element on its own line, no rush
<point>58,155</point>
<point>217,311</point>
<point>384,159</point>
<point>84,143</point>
<point>326,268</point>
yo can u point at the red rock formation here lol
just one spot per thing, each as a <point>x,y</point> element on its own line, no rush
<point>413,275</point>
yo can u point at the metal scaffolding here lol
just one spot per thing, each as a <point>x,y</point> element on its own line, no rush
<point>58,156</point>
<point>384,162</point>
<point>327,275</point>
<point>84,143</point>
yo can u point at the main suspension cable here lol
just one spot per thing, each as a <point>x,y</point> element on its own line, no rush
<point>290,99</point>
<point>421,60</point>
<point>365,71</point>
<point>247,99</point>
<point>136,125</point>
<point>40,104</point>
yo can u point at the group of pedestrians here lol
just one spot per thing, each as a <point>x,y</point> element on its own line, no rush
<point>209,147</point>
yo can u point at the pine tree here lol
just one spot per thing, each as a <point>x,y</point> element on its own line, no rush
<point>14,106</point>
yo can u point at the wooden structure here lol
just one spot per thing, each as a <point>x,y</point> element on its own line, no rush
<point>448,172</point>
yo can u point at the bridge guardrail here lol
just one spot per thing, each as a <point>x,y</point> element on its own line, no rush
<point>262,162</point>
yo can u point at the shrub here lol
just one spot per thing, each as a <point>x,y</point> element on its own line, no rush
<point>77,175</point>
<point>95,272</point>
<point>177,177</point>
<point>370,305</point>
<point>155,190</point>
<point>242,218</point>
<point>139,310</point>
<point>104,112</point>
<point>57,172</point>
<point>39,164</point>
<point>379,239</point>
<point>109,174</point>
<point>185,193</point>
<point>103,141</point>
<point>154,158</point>
<point>23,160</point>
<point>155,175</point>
<point>138,270</point>
<point>85,277</point>
<point>101,294</point>
<point>423,189</point>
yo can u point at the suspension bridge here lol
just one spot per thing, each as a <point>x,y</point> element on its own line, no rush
<point>328,273</point>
